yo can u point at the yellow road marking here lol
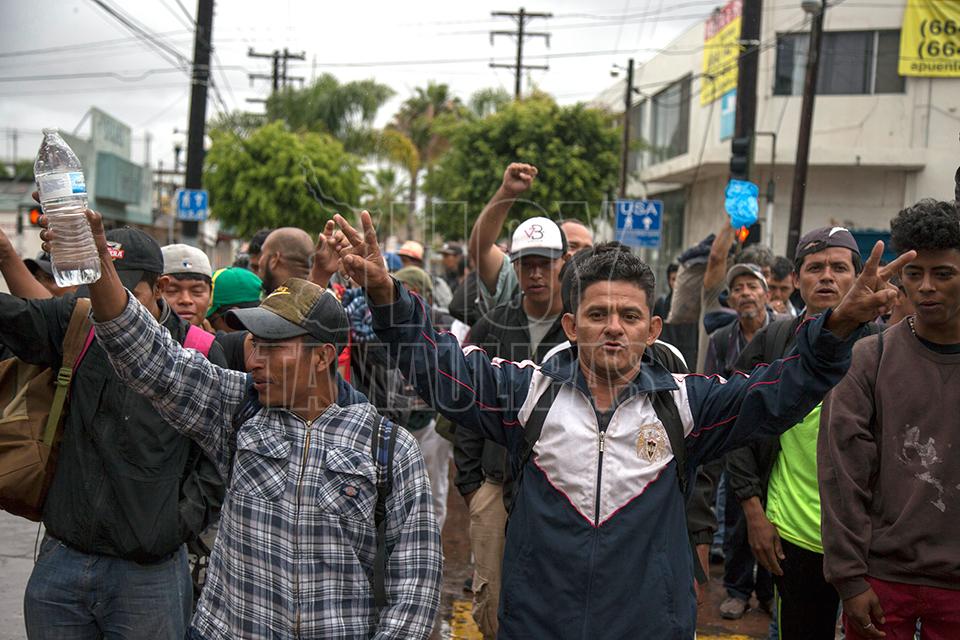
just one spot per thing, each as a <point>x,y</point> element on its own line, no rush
<point>462,626</point>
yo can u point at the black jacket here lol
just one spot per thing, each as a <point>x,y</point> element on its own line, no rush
<point>126,484</point>
<point>501,333</point>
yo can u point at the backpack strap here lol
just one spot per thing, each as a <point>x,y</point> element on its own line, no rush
<point>668,414</point>
<point>382,447</point>
<point>534,425</point>
<point>198,340</point>
<point>76,342</point>
<point>777,337</point>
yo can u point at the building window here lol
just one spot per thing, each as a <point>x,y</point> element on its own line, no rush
<point>671,120</point>
<point>636,158</point>
<point>851,63</point>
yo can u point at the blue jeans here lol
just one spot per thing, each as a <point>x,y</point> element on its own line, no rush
<point>78,596</point>
<point>742,575</point>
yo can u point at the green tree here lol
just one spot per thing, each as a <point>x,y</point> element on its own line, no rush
<point>345,111</point>
<point>386,200</point>
<point>241,123</point>
<point>575,148</point>
<point>275,178</point>
<point>422,118</point>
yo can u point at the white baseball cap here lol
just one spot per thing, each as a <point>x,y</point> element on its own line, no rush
<point>182,258</point>
<point>538,237</point>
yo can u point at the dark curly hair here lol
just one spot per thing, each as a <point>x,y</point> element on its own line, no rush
<point>929,224</point>
<point>607,261</point>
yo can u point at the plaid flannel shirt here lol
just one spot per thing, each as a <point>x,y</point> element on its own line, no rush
<point>294,556</point>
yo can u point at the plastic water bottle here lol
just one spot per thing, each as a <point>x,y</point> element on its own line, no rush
<point>63,197</point>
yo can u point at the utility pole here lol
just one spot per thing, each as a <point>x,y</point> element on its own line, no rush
<point>284,78</point>
<point>806,124</point>
<point>521,17</point>
<point>746,116</point>
<point>625,151</point>
<point>203,37</point>
<point>278,78</point>
<point>273,77</point>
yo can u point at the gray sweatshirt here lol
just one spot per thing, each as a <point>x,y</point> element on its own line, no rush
<point>889,478</point>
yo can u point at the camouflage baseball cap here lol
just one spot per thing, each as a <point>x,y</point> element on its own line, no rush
<point>297,308</point>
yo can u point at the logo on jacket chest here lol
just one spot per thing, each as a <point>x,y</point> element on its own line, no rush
<point>652,443</point>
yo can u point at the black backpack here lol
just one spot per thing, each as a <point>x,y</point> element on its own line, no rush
<point>382,446</point>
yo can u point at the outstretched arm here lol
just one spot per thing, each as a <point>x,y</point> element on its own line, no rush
<point>717,260</point>
<point>18,278</point>
<point>777,396</point>
<point>195,396</point>
<point>482,245</point>
<point>463,384</point>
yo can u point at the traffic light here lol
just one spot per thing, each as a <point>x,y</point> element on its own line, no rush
<point>34,215</point>
<point>740,157</point>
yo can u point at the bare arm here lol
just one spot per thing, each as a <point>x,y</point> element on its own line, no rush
<point>482,245</point>
<point>19,279</point>
<point>108,297</point>
<point>717,262</point>
<point>325,257</point>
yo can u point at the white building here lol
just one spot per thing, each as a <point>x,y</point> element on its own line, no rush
<point>880,141</point>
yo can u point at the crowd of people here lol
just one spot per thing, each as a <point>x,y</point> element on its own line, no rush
<point>263,450</point>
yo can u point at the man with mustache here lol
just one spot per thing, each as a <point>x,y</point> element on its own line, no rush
<point>775,479</point>
<point>599,512</point>
<point>748,297</point>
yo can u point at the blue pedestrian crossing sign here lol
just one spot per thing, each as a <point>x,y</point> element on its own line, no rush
<point>639,223</point>
<point>192,205</point>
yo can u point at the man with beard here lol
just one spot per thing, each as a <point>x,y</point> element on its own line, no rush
<point>775,479</point>
<point>286,254</point>
<point>748,297</point>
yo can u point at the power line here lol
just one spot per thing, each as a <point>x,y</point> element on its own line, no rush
<point>97,44</point>
<point>166,51</point>
<point>118,75</point>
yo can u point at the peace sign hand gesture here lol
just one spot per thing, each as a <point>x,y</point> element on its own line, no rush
<point>871,296</point>
<point>361,259</point>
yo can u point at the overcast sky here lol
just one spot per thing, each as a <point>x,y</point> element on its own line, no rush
<point>445,42</point>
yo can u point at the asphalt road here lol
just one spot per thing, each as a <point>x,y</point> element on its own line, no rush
<point>17,539</point>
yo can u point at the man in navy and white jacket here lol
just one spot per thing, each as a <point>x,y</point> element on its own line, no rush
<point>596,544</point>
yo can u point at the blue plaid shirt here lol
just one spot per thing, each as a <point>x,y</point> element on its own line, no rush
<point>294,556</point>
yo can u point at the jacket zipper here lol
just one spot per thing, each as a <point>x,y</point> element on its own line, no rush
<point>296,534</point>
<point>596,517</point>
<point>601,437</point>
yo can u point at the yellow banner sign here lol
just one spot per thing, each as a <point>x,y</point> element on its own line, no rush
<point>721,52</point>
<point>930,39</point>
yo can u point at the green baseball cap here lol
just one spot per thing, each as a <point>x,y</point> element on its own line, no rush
<point>234,287</point>
<point>297,308</point>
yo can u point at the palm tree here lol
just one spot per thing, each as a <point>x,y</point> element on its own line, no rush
<point>418,119</point>
<point>484,102</point>
<point>387,191</point>
<point>345,111</point>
